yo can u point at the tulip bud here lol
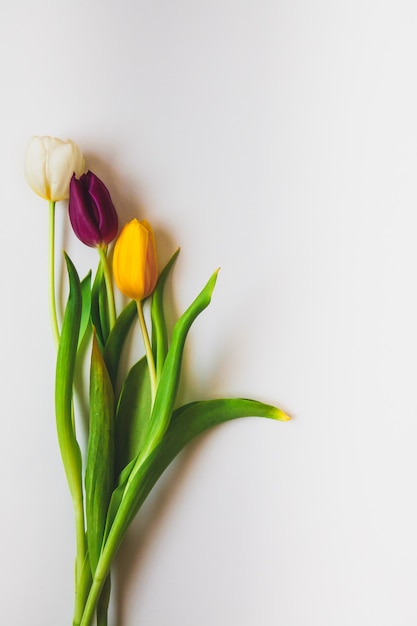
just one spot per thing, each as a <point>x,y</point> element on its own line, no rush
<point>49,165</point>
<point>91,211</point>
<point>135,265</point>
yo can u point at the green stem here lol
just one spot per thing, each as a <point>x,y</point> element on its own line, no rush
<point>52,300</point>
<point>90,605</point>
<point>64,413</point>
<point>108,553</point>
<point>80,558</point>
<point>80,534</point>
<point>148,349</point>
<point>109,285</point>
<point>82,589</point>
<point>103,603</point>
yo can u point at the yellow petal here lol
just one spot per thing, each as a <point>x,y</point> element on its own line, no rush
<point>151,269</point>
<point>129,259</point>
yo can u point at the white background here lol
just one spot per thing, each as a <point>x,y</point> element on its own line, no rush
<point>278,140</point>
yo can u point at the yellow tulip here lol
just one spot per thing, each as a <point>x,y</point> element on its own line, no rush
<point>50,164</point>
<point>135,265</point>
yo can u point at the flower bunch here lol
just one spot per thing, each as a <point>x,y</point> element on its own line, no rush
<point>135,426</point>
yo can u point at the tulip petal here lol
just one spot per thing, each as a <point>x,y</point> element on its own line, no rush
<point>129,260</point>
<point>102,208</point>
<point>82,212</point>
<point>34,167</point>
<point>49,165</point>
<point>151,265</point>
<point>64,160</point>
<point>91,210</point>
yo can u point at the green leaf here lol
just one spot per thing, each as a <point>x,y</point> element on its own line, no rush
<point>117,337</point>
<point>159,327</point>
<point>99,477</point>
<point>99,310</point>
<point>64,380</point>
<point>103,603</point>
<point>117,496</point>
<point>84,582</point>
<point>86,306</point>
<point>187,423</point>
<point>132,415</point>
<point>168,384</point>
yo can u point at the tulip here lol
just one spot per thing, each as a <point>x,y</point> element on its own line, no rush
<point>135,270</point>
<point>91,211</point>
<point>49,165</point>
<point>135,266</point>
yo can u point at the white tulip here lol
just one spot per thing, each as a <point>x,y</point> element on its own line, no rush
<point>50,164</point>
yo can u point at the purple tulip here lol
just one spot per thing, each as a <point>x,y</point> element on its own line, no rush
<point>91,211</point>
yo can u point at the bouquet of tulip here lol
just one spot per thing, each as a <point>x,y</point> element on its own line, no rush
<point>135,428</point>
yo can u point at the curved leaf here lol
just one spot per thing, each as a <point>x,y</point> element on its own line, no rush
<point>159,328</point>
<point>99,476</point>
<point>187,423</point>
<point>64,380</point>
<point>85,307</point>
<point>168,384</point>
<point>132,415</point>
<point>115,342</point>
<point>99,310</point>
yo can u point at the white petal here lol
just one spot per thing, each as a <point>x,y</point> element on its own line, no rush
<point>34,166</point>
<point>49,165</point>
<point>65,159</point>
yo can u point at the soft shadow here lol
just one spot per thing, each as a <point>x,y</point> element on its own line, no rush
<point>125,193</point>
<point>146,526</point>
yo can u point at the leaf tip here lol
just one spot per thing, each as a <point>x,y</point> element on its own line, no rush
<point>214,276</point>
<point>281,416</point>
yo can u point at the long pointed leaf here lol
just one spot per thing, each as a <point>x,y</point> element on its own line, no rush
<point>99,311</point>
<point>65,368</point>
<point>168,385</point>
<point>99,477</point>
<point>159,327</point>
<point>86,306</point>
<point>117,496</point>
<point>187,423</point>
<point>132,415</point>
<point>115,342</point>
